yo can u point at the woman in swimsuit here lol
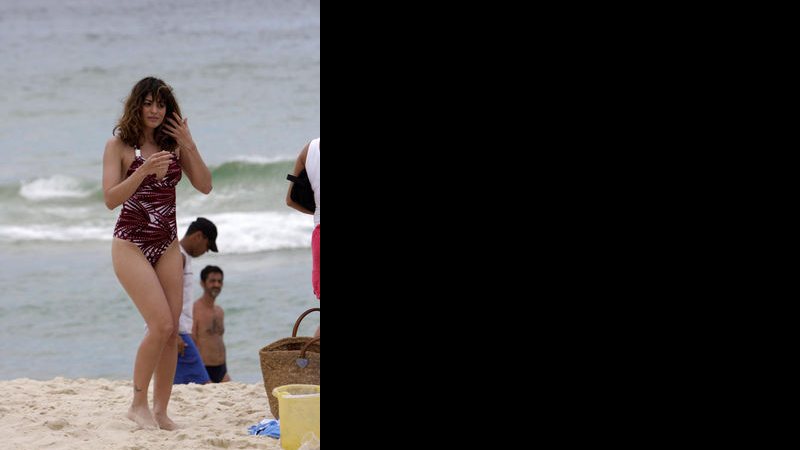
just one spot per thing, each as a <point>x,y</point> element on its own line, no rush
<point>152,146</point>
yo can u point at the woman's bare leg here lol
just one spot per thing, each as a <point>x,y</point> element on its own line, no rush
<point>140,281</point>
<point>169,270</point>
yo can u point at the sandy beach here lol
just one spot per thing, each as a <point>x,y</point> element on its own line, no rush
<point>62,414</point>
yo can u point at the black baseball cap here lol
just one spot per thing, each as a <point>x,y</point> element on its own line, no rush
<point>209,230</point>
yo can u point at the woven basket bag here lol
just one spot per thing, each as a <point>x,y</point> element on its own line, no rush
<point>292,360</point>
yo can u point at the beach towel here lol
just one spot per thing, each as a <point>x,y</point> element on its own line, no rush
<point>267,427</point>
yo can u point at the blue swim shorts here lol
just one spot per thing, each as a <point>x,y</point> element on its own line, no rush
<point>190,365</point>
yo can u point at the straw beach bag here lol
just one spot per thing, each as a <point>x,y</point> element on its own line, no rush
<point>292,360</point>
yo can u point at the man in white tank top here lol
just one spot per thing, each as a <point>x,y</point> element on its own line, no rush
<point>200,237</point>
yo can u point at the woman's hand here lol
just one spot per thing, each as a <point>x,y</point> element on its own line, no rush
<point>157,164</point>
<point>178,128</point>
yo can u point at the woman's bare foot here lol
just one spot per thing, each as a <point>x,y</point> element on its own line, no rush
<point>142,417</point>
<point>165,423</point>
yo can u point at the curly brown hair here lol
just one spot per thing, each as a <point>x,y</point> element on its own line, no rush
<point>131,129</point>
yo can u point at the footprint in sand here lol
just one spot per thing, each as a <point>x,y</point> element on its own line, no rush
<point>64,391</point>
<point>57,424</point>
<point>219,442</point>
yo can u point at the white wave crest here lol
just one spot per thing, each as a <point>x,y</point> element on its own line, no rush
<point>239,232</point>
<point>54,233</point>
<point>258,159</point>
<point>252,232</point>
<point>57,186</point>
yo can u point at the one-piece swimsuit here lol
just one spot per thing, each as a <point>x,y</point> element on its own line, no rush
<point>148,217</point>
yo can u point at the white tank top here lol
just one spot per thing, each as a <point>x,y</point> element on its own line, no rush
<point>312,169</point>
<point>185,322</point>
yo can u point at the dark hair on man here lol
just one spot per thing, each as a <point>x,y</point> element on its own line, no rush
<point>210,269</point>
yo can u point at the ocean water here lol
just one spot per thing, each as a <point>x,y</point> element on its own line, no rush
<point>247,76</point>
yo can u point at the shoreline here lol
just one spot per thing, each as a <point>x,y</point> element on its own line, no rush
<point>84,413</point>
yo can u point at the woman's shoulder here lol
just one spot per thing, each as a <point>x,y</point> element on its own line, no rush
<point>116,144</point>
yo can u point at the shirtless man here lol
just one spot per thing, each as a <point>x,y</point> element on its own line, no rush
<point>209,325</point>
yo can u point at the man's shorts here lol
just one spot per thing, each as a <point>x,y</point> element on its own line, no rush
<point>217,373</point>
<point>190,365</point>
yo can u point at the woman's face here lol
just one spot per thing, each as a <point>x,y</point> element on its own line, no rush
<point>153,112</point>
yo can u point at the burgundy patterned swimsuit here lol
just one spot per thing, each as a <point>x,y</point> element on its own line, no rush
<point>148,217</point>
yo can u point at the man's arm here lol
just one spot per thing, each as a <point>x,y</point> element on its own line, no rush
<point>195,322</point>
<point>181,344</point>
<point>196,327</point>
<point>227,376</point>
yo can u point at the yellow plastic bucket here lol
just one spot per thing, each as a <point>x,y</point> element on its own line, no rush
<point>299,406</point>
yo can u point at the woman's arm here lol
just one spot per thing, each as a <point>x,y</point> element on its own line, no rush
<point>299,165</point>
<point>196,169</point>
<point>115,190</point>
<point>191,160</point>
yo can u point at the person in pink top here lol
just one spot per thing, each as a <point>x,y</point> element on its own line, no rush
<point>308,160</point>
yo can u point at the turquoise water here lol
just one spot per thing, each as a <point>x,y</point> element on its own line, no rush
<point>246,74</point>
